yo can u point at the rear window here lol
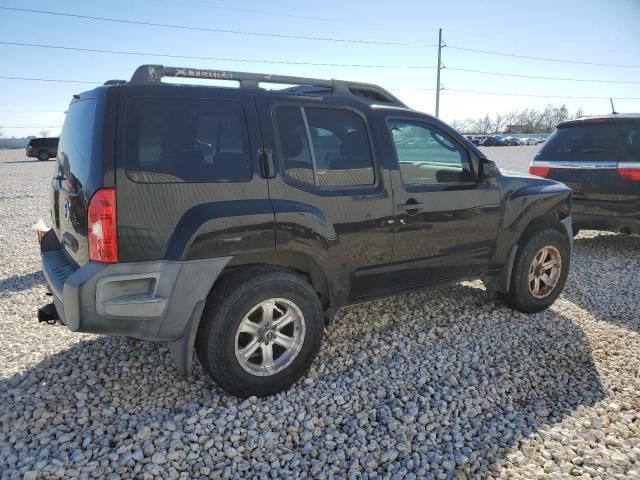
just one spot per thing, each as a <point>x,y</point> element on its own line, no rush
<point>76,140</point>
<point>186,140</point>
<point>617,141</point>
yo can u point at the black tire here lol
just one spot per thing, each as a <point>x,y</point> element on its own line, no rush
<point>520,296</point>
<point>43,156</point>
<point>228,304</point>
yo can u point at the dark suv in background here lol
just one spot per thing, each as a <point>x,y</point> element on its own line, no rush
<point>42,148</point>
<point>237,220</point>
<point>599,158</point>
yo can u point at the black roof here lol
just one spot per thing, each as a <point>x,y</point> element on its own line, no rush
<point>607,118</point>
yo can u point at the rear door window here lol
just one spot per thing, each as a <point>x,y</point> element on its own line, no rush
<point>294,144</point>
<point>341,147</point>
<point>326,147</point>
<point>186,140</point>
<point>614,141</point>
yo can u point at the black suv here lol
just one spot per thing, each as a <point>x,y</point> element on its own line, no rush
<point>237,220</point>
<point>599,158</point>
<point>42,148</point>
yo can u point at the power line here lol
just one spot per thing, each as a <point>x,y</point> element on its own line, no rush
<point>215,30</point>
<point>220,59</point>
<point>502,74</point>
<point>545,59</point>
<point>263,12</point>
<point>483,92</point>
<point>31,79</point>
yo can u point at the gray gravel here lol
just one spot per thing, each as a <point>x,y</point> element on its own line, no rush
<point>441,384</point>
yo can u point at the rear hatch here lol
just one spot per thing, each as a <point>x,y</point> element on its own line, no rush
<point>599,159</point>
<point>79,172</point>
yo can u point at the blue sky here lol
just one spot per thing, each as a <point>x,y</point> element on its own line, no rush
<point>591,31</point>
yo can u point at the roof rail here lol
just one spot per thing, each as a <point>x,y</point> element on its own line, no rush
<point>155,73</point>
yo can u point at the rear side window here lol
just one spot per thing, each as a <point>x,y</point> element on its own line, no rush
<point>341,147</point>
<point>294,144</point>
<point>616,141</point>
<point>186,140</point>
<point>325,147</point>
<point>76,139</point>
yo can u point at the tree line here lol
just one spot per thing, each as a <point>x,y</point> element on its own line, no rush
<point>528,120</point>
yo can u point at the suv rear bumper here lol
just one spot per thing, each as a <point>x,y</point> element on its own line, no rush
<point>606,222</point>
<point>154,300</point>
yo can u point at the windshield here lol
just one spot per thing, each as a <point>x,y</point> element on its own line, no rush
<point>616,141</point>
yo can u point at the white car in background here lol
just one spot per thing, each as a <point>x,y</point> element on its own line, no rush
<point>529,141</point>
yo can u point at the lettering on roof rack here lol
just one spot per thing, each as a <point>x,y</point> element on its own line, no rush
<point>193,73</point>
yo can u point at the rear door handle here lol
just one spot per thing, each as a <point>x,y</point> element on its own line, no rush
<point>266,162</point>
<point>411,207</point>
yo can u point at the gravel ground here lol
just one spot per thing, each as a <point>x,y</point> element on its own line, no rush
<point>440,384</point>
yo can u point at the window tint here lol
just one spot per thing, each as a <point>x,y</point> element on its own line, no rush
<point>339,142</point>
<point>618,140</point>
<point>76,140</point>
<point>341,147</point>
<point>294,144</point>
<point>182,140</point>
<point>427,155</point>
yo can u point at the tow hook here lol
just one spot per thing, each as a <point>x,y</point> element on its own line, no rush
<point>48,314</point>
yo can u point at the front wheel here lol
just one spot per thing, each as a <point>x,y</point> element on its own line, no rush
<point>260,331</point>
<point>539,271</point>
<point>43,156</point>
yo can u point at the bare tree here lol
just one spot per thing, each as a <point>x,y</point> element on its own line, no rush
<point>44,133</point>
<point>498,123</point>
<point>459,125</point>
<point>528,120</point>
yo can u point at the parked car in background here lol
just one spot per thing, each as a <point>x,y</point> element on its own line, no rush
<point>529,141</point>
<point>514,141</point>
<point>500,141</point>
<point>489,141</point>
<point>599,158</point>
<point>42,148</point>
<point>237,220</point>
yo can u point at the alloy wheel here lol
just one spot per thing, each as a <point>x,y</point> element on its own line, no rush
<point>270,337</point>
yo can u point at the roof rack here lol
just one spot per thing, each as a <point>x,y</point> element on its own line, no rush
<point>155,73</point>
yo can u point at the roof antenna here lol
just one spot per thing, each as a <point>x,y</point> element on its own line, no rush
<point>613,109</point>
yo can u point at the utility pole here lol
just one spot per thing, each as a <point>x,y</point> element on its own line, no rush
<point>438,86</point>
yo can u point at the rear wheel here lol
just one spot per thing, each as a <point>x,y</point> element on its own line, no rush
<point>43,156</point>
<point>260,331</point>
<point>539,271</point>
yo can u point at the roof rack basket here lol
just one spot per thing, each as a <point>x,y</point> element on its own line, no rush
<point>155,74</point>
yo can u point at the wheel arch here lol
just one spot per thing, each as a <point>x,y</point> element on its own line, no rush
<point>182,349</point>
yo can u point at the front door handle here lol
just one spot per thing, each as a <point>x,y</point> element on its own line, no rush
<point>412,207</point>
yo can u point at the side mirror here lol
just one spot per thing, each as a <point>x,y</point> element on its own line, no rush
<point>488,168</point>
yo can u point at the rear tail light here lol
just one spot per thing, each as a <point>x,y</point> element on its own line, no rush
<point>630,172</point>
<point>539,171</point>
<point>102,227</point>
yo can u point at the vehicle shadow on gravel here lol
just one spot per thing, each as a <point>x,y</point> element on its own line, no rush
<point>445,381</point>
<point>604,278</point>
<point>18,283</point>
